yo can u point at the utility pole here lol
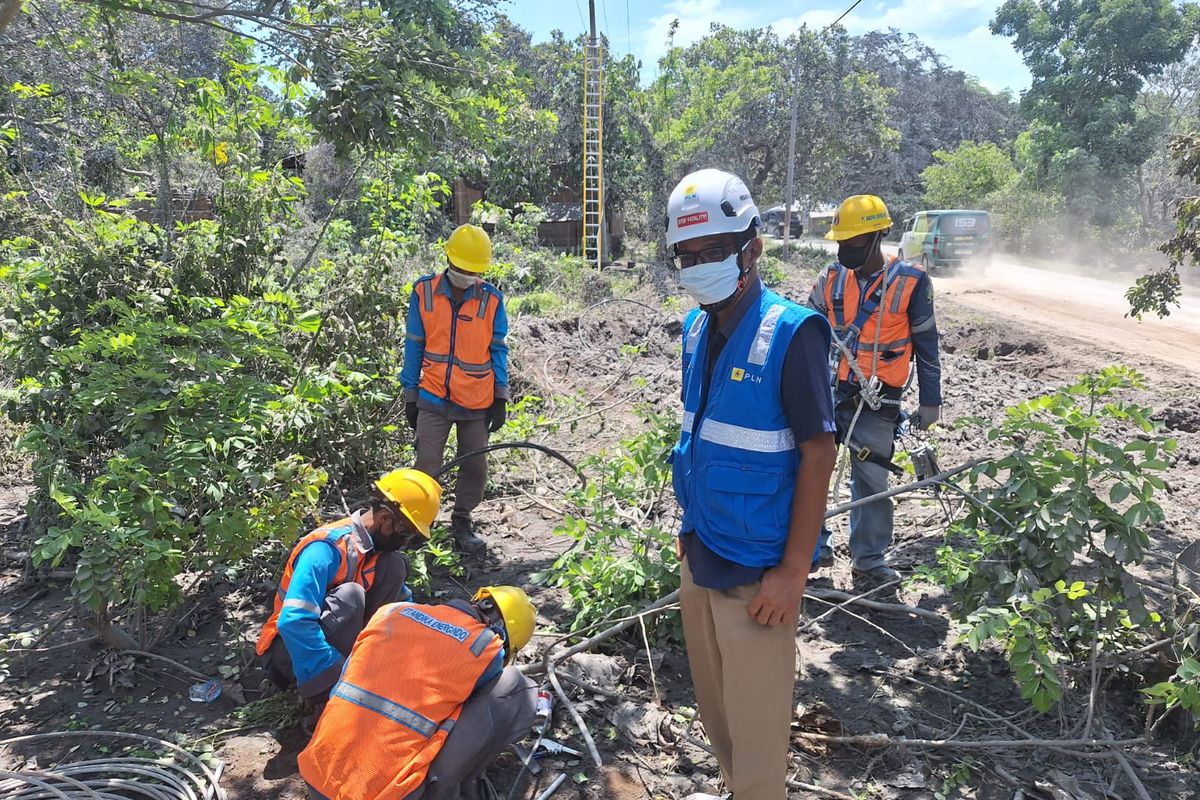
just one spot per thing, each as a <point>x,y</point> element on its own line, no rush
<point>790,194</point>
<point>595,242</point>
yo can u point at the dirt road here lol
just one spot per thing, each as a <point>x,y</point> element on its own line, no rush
<point>1092,310</point>
<point>1088,309</point>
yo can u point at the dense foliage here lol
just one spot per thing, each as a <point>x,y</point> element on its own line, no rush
<point>1040,559</point>
<point>210,219</point>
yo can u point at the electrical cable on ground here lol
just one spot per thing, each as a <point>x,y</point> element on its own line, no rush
<point>115,778</point>
<point>541,448</point>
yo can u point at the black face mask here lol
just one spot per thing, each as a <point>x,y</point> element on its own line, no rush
<point>856,257</point>
<point>399,537</point>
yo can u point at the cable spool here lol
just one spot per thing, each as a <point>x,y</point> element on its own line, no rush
<point>185,777</point>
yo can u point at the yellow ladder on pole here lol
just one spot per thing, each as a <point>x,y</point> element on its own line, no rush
<point>594,239</point>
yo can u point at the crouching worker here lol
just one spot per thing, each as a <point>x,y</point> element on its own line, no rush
<point>338,576</point>
<point>425,702</point>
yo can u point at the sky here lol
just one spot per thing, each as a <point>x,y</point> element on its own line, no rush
<point>958,29</point>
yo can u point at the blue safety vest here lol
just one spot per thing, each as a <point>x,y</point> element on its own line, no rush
<point>734,469</point>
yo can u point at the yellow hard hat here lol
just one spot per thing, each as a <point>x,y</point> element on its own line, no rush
<point>862,213</point>
<point>418,496</point>
<point>519,614</point>
<point>469,248</point>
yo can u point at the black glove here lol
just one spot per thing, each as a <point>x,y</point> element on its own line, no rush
<point>410,414</point>
<point>497,415</point>
<point>926,417</point>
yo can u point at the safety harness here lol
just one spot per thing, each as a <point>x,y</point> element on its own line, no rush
<point>869,388</point>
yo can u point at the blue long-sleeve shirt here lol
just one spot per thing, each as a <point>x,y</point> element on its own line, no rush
<point>316,663</point>
<point>299,621</point>
<point>922,322</point>
<point>414,351</point>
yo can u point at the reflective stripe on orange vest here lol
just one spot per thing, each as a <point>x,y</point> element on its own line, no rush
<point>889,359</point>
<point>457,363</point>
<point>402,690</point>
<point>356,564</point>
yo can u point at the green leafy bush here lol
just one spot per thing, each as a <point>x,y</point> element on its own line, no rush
<point>624,556</point>
<point>181,408</point>
<point>1039,561</point>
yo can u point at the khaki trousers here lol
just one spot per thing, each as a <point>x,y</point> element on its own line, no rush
<point>433,431</point>
<point>744,675</point>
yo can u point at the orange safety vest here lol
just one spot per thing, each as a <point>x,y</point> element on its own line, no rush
<point>356,564</point>
<point>895,349</point>
<point>408,676</point>
<point>457,365</point>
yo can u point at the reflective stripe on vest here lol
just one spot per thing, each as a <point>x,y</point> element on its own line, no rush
<point>776,441</point>
<point>764,335</point>
<point>890,358</point>
<point>457,363</point>
<point>693,334</point>
<point>351,548</point>
<point>401,692</point>
<point>381,705</point>
<point>734,468</point>
<point>482,641</point>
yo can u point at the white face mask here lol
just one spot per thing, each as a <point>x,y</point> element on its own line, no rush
<point>459,280</point>
<point>711,283</point>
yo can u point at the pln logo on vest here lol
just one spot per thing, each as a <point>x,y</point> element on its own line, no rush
<point>739,374</point>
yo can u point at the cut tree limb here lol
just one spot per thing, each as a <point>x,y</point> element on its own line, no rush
<point>878,740</point>
<point>876,605</point>
<point>1134,780</point>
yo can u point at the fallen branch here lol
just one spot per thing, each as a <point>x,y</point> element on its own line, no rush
<point>842,605</point>
<point>880,740</point>
<point>821,790</point>
<point>659,605</point>
<point>1134,780</point>
<point>170,661</point>
<point>933,480</point>
<point>25,560</point>
<point>590,687</point>
<point>28,600</point>
<point>888,634</point>
<point>896,608</point>
<point>66,645</point>
<point>566,701</point>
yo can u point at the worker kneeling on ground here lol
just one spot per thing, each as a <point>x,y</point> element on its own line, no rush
<point>456,369</point>
<point>751,472</point>
<point>881,310</point>
<point>425,702</point>
<point>338,576</point>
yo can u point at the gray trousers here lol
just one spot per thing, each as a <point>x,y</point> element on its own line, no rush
<point>870,525</point>
<point>433,431</point>
<point>344,613</point>
<point>495,717</point>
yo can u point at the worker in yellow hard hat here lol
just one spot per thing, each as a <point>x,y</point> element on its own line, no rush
<point>881,310</point>
<point>456,369</point>
<point>426,701</point>
<point>338,576</point>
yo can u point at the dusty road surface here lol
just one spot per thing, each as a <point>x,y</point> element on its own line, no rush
<point>1076,305</point>
<point>1090,309</point>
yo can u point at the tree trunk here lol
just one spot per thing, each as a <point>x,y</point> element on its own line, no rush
<point>1144,201</point>
<point>8,12</point>
<point>163,162</point>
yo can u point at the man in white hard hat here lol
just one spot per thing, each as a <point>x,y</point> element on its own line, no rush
<point>751,472</point>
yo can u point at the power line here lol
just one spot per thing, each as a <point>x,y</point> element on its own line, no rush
<point>843,16</point>
<point>604,7</point>
<point>628,36</point>
<point>581,19</point>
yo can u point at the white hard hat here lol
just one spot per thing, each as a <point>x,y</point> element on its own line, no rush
<point>707,202</point>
